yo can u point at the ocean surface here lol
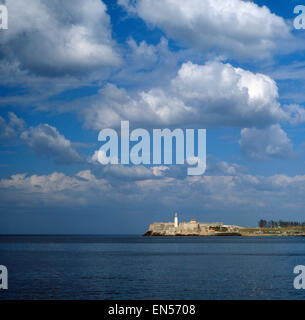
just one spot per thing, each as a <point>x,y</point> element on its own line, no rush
<point>135,267</point>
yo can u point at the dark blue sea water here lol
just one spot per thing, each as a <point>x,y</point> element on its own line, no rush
<point>135,267</point>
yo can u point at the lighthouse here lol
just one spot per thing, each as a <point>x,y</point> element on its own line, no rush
<point>176,220</point>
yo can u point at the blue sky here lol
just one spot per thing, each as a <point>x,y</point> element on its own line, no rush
<point>68,70</point>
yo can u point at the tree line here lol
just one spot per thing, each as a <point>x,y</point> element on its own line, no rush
<point>279,224</point>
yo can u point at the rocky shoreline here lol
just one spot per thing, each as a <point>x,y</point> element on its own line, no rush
<point>216,234</point>
<point>193,228</point>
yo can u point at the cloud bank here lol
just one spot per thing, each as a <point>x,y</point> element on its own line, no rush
<point>58,37</point>
<point>209,95</point>
<point>230,190</point>
<point>232,27</point>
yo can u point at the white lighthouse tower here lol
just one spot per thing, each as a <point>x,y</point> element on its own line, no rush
<point>176,220</point>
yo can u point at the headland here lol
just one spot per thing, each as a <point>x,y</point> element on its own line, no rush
<point>195,228</point>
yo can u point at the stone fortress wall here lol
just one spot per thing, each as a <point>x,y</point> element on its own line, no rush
<point>190,228</point>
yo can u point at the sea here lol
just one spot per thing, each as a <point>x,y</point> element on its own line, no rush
<point>120,267</point>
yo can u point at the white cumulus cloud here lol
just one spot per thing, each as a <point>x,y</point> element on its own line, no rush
<point>58,37</point>
<point>213,94</point>
<point>231,27</point>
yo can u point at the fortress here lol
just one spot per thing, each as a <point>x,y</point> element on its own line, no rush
<point>192,228</point>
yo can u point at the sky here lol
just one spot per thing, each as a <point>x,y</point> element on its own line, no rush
<point>69,69</point>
